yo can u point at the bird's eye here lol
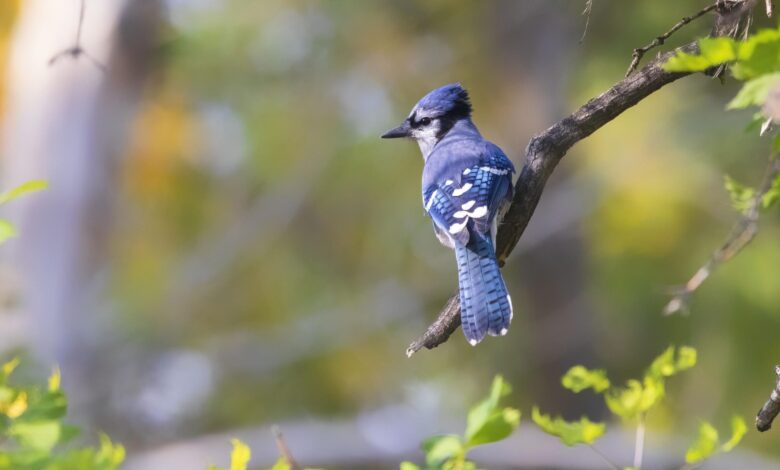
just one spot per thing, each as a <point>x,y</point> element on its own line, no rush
<point>425,121</point>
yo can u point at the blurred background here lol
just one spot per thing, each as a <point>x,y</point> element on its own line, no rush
<point>227,244</point>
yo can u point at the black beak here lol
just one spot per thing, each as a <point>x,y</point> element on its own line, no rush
<point>400,131</point>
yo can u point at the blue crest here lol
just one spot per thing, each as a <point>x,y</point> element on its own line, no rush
<point>450,99</point>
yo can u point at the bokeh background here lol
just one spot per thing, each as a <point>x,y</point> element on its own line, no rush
<point>226,243</point>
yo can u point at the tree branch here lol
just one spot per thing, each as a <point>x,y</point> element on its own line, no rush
<point>639,52</point>
<point>741,235</point>
<point>77,50</point>
<point>543,153</point>
<point>771,408</point>
<point>284,449</point>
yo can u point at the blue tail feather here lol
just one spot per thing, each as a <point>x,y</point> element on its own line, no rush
<point>485,305</point>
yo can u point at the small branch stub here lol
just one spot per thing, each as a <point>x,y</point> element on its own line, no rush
<point>284,449</point>
<point>771,408</point>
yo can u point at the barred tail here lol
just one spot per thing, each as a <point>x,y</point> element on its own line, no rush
<point>486,308</point>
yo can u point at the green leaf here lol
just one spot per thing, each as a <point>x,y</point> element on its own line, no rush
<point>496,427</point>
<point>45,406</point>
<point>28,187</point>
<point>741,195</point>
<point>409,466</point>
<point>712,52</point>
<point>7,230</point>
<point>579,378</point>
<point>109,455</point>
<point>758,55</point>
<point>705,444</point>
<point>439,449</point>
<point>754,92</point>
<point>667,364</point>
<point>686,358</point>
<point>479,414</point>
<point>41,435</point>
<point>773,195</point>
<point>636,398</point>
<point>571,433</point>
<point>8,368</point>
<point>738,430</point>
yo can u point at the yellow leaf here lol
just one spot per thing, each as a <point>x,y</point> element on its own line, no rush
<point>9,366</point>
<point>240,456</point>
<point>30,186</point>
<point>54,380</point>
<point>18,406</point>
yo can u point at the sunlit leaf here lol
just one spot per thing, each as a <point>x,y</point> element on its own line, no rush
<point>41,435</point>
<point>479,414</point>
<point>712,52</point>
<point>686,358</point>
<point>281,464</point>
<point>17,407</point>
<point>705,445</point>
<point>46,406</point>
<point>496,427</point>
<point>54,380</point>
<point>7,230</point>
<point>738,430</point>
<point>239,457</point>
<point>758,55</point>
<point>409,466</point>
<point>579,378</point>
<point>754,92</point>
<point>28,187</point>
<point>672,361</point>
<point>109,454</point>
<point>441,448</point>
<point>636,398</point>
<point>8,368</point>
<point>570,433</point>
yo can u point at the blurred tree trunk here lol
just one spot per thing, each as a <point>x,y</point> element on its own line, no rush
<point>67,122</point>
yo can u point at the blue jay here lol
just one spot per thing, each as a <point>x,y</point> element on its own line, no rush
<point>466,185</point>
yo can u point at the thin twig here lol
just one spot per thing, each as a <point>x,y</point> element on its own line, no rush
<point>284,450</point>
<point>639,52</point>
<point>771,408</point>
<point>610,464</point>
<point>639,444</point>
<point>586,13</point>
<point>82,8</point>
<point>76,50</point>
<point>741,235</point>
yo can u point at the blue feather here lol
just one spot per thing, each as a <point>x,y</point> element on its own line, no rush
<point>486,307</point>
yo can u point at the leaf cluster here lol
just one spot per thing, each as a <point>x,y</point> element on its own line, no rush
<point>487,422</point>
<point>32,426</point>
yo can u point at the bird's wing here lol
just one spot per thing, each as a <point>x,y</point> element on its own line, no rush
<point>473,201</point>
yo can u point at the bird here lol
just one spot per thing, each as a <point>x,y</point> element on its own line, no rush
<point>466,187</point>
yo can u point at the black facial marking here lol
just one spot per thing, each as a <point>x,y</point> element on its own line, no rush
<point>445,124</point>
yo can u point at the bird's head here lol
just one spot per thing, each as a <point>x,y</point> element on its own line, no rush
<point>434,115</point>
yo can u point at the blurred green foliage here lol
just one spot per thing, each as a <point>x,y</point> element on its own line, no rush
<point>32,430</point>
